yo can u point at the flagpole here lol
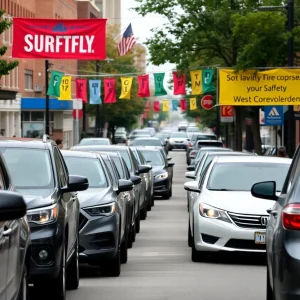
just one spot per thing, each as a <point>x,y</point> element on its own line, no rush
<point>47,128</point>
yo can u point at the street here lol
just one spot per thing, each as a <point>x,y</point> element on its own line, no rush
<point>159,264</point>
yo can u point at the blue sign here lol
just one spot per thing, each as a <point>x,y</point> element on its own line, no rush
<point>274,115</point>
<point>40,104</point>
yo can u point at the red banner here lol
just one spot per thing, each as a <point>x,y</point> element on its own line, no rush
<point>110,90</point>
<point>81,89</point>
<point>179,83</point>
<point>144,89</point>
<point>183,105</point>
<point>156,106</point>
<point>61,39</point>
<point>147,106</point>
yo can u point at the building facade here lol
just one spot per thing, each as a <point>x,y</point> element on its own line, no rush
<point>111,10</point>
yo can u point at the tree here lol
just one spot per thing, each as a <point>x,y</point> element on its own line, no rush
<point>123,113</point>
<point>5,67</point>
<point>209,32</point>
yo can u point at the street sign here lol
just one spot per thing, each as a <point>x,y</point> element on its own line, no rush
<point>80,114</point>
<point>77,103</point>
<point>274,115</point>
<point>226,113</point>
<point>207,102</point>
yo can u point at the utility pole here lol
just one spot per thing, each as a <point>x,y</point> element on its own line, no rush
<point>291,115</point>
<point>47,129</point>
<point>97,123</point>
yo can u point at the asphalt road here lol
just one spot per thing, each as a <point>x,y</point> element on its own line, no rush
<point>159,266</point>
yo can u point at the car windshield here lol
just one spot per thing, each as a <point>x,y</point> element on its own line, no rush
<point>240,176</point>
<point>29,168</point>
<point>204,137</point>
<point>209,144</point>
<point>201,153</point>
<point>179,135</point>
<point>127,159</point>
<point>153,157</point>
<point>90,168</point>
<point>119,166</point>
<point>87,142</point>
<point>145,142</point>
<point>193,129</point>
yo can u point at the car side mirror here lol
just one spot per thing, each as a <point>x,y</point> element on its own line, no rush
<point>190,175</point>
<point>135,179</point>
<point>264,190</point>
<point>171,165</point>
<point>192,186</point>
<point>125,185</point>
<point>169,158</point>
<point>144,169</point>
<point>76,184</point>
<point>188,140</point>
<point>190,168</point>
<point>12,206</point>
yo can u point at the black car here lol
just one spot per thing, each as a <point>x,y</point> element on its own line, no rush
<point>15,248</point>
<point>120,138</point>
<point>103,209</point>
<point>134,169</point>
<point>161,171</point>
<point>40,174</point>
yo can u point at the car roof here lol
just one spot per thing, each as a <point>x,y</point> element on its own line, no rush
<point>148,148</point>
<point>79,154</point>
<point>213,148</point>
<point>222,153</point>
<point>25,143</point>
<point>93,138</point>
<point>254,158</point>
<point>112,154</point>
<point>100,148</point>
<point>146,138</point>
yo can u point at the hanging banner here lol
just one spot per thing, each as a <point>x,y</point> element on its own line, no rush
<point>174,105</point>
<point>196,78</point>
<point>159,84</point>
<point>95,91</point>
<point>126,88</point>
<point>202,81</point>
<point>193,103</point>
<point>183,104</point>
<point>65,88</point>
<point>81,89</point>
<point>226,113</point>
<point>179,80</point>
<point>54,84</point>
<point>110,90</point>
<point>207,80</point>
<point>61,39</point>
<point>254,88</point>
<point>156,106</point>
<point>165,105</point>
<point>147,106</point>
<point>144,89</point>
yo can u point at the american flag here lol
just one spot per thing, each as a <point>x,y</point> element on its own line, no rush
<point>127,42</point>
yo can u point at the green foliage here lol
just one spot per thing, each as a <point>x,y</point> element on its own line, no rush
<point>5,67</point>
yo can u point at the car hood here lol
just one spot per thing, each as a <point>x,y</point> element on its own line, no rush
<point>158,170</point>
<point>237,202</point>
<point>37,198</point>
<point>94,196</point>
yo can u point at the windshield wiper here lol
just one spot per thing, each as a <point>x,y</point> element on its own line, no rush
<point>226,190</point>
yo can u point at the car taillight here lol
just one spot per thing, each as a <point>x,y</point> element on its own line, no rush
<point>193,154</point>
<point>291,217</point>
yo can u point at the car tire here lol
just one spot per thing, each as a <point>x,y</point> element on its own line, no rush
<point>143,213</point>
<point>23,290</point>
<point>166,195</point>
<point>170,193</point>
<point>138,224</point>
<point>133,232</point>
<point>73,270</point>
<point>149,206</point>
<point>124,252</point>
<point>130,238</point>
<point>113,267</point>
<point>58,285</point>
<point>190,238</point>
<point>170,149</point>
<point>269,293</point>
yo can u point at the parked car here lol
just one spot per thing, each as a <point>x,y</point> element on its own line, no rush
<point>151,129</point>
<point>40,174</point>
<point>134,169</point>
<point>182,126</point>
<point>283,231</point>
<point>192,130</point>
<point>161,171</point>
<point>120,137</point>
<point>144,141</point>
<point>165,141</point>
<point>138,133</point>
<point>94,141</point>
<point>225,216</point>
<point>178,140</point>
<point>148,177</point>
<point>194,139</point>
<point>15,249</point>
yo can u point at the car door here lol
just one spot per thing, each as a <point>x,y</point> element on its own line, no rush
<point>68,200</point>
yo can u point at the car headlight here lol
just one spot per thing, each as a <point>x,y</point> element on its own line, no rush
<point>101,210</point>
<point>43,215</point>
<point>207,211</point>
<point>162,176</point>
<point>170,141</point>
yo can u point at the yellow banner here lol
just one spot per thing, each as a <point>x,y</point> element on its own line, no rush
<point>126,88</point>
<point>165,105</point>
<point>253,88</point>
<point>193,104</point>
<point>65,88</point>
<point>196,78</point>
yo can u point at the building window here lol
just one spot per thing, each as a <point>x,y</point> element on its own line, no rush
<point>7,34</point>
<point>37,116</point>
<point>28,79</point>
<point>25,116</point>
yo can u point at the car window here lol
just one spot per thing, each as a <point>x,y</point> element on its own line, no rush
<point>91,142</point>
<point>126,157</point>
<point>62,178</point>
<point>2,180</point>
<point>153,157</point>
<point>111,171</point>
<point>145,142</point>
<point>119,166</point>
<point>178,135</point>
<point>202,176</point>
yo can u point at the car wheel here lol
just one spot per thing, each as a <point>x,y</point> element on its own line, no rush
<point>195,254</point>
<point>190,238</point>
<point>113,267</point>
<point>129,238</point>
<point>152,200</point>
<point>124,252</point>
<point>23,291</point>
<point>170,149</point>
<point>149,206</point>
<point>138,223</point>
<point>269,295</point>
<point>73,270</point>
<point>166,195</point>
<point>143,213</point>
<point>133,232</point>
<point>170,193</point>
<point>58,286</point>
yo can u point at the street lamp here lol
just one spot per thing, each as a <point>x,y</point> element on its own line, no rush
<point>291,116</point>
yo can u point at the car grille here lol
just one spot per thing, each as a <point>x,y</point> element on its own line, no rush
<point>179,142</point>
<point>249,221</point>
<point>82,221</point>
<point>244,245</point>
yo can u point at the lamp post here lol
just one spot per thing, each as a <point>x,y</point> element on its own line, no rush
<point>290,7</point>
<point>97,124</point>
<point>47,125</point>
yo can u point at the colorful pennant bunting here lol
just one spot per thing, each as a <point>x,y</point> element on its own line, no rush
<point>65,88</point>
<point>81,89</point>
<point>110,90</point>
<point>159,84</point>
<point>156,106</point>
<point>193,103</point>
<point>165,105</point>
<point>126,88</point>
<point>202,81</point>
<point>147,106</point>
<point>95,91</point>
<point>144,89</point>
<point>207,78</point>
<point>179,83</point>
<point>54,84</point>
<point>174,105</point>
<point>183,104</point>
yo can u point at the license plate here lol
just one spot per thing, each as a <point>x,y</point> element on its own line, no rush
<point>260,238</point>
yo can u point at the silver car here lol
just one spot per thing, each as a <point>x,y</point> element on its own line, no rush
<point>178,140</point>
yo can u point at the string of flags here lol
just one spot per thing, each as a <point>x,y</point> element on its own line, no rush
<point>60,86</point>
